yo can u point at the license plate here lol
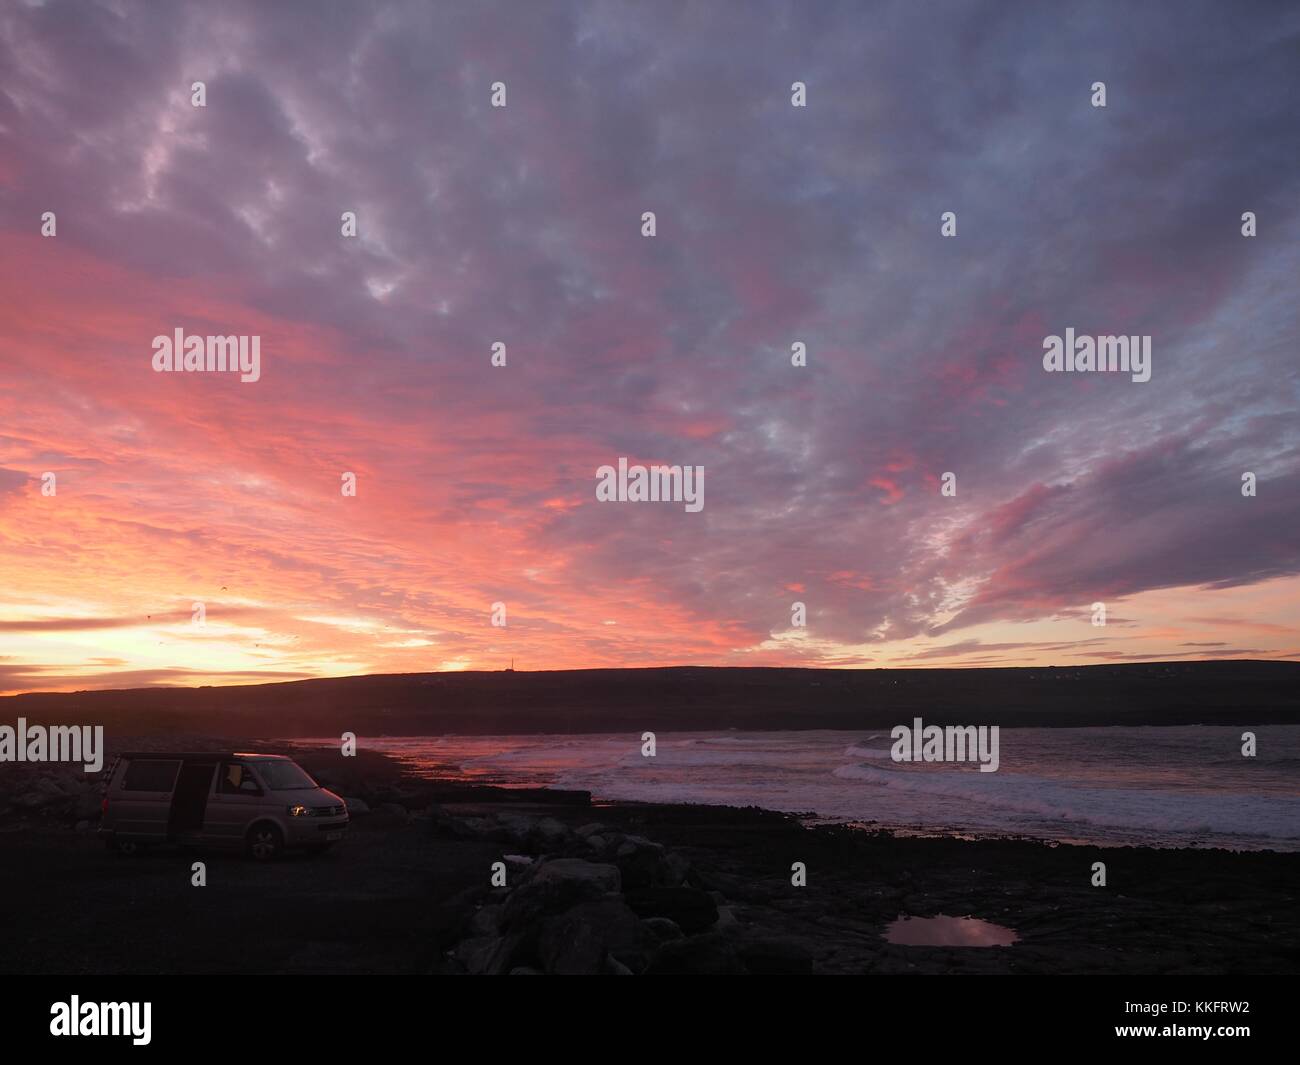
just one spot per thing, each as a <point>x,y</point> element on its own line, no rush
<point>330,836</point>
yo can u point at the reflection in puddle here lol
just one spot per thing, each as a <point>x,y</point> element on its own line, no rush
<point>944,931</point>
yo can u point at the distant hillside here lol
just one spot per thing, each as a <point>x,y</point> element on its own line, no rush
<point>692,698</point>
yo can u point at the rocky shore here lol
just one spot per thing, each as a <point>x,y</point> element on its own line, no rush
<point>652,890</point>
<point>596,899</point>
<point>440,877</point>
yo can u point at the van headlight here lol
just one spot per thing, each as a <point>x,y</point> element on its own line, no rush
<point>299,810</point>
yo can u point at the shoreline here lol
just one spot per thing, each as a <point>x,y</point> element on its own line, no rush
<point>631,887</point>
<point>1088,834</point>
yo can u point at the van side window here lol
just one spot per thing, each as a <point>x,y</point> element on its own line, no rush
<point>236,779</point>
<point>150,775</point>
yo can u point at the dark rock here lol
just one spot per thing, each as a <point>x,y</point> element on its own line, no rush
<point>450,826</point>
<point>632,844</point>
<point>776,956</point>
<point>486,921</point>
<point>488,955</point>
<point>577,870</point>
<point>44,791</point>
<point>452,917</point>
<point>645,864</point>
<point>528,834</point>
<point>692,909</point>
<point>579,940</point>
<point>551,831</point>
<point>517,865</point>
<point>706,955</point>
<point>557,885</point>
<point>614,967</point>
<point>662,928</point>
<point>509,828</point>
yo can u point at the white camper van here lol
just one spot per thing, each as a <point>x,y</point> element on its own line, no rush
<point>262,803</point>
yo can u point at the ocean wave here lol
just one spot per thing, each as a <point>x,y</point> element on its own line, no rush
<point>1157,811</point>
<point>1146,786</point>
<point>855,751</point>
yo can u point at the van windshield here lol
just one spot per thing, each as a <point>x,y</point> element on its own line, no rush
<point>284,775</point>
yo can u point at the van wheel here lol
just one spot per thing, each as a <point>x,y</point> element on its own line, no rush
<point>265,842</point>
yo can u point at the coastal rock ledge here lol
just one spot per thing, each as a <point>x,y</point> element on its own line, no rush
<point>597,901</point>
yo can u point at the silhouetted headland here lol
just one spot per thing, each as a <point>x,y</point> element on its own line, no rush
<point>694,698</point>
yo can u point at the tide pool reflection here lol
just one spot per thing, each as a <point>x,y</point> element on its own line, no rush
<point>944,931</point>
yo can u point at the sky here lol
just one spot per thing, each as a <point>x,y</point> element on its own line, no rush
<point>523,224</point>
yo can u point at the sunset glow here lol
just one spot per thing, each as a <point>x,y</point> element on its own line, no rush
<point>475,483</point>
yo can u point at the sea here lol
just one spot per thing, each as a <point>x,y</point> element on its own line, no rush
<point>1185,786</point>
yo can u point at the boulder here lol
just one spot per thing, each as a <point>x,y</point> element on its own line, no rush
<point>64,782</point>
<point>644,863</point>
<point>44,791</point>
<point>631,844</point>
<point>486,921</point>
<point>356,807</point>
<point>534,834</point>
<point>690,908</point>
<point>581,939</point>
<point>706,955</point>
<point>488,955</point>
<point>578,870</point>
<point>510,828</point>
<point>551,831</point>
<point>662,928</point>
<point>448,826</point>
<point>556,886</point>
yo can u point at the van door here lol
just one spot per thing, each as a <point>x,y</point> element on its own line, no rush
<point>142,804</point>
<point>234,803</point>
<point>190,799</point>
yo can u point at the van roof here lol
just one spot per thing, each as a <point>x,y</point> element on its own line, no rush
<point>199,756</point>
